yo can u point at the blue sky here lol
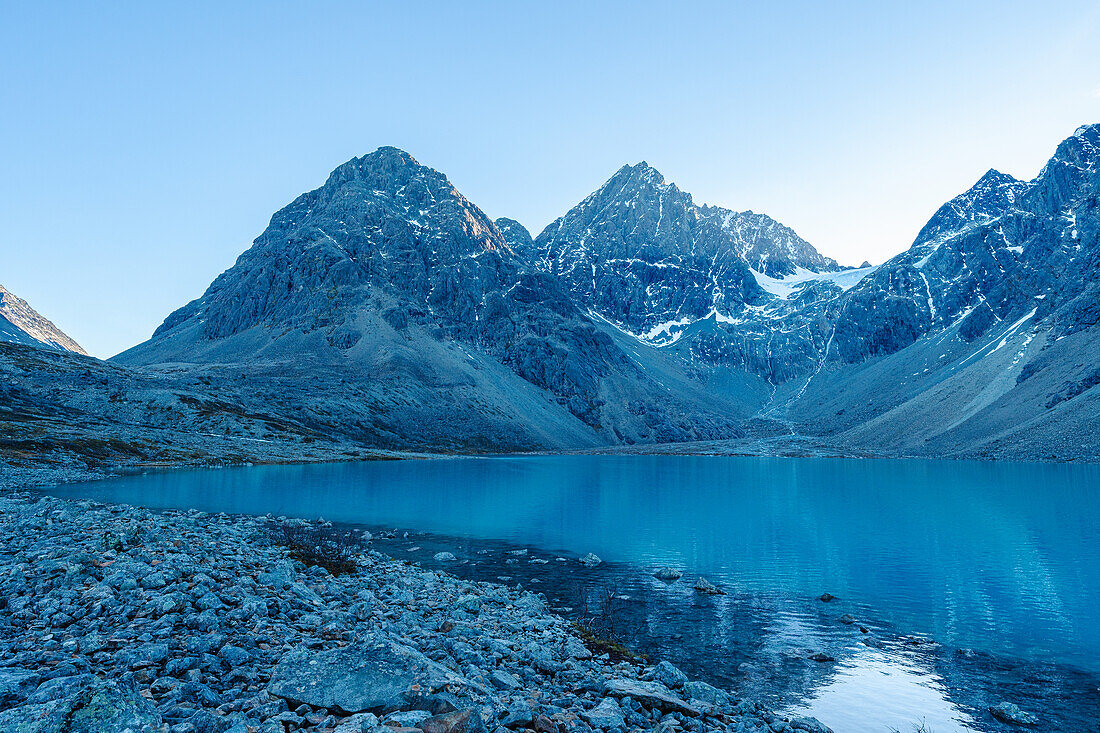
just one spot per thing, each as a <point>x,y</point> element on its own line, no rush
<point>147,144</point>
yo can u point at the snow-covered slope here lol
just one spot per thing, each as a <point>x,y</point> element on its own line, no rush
<point>21,324</point>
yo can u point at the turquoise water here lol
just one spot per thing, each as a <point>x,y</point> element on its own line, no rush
<point>994,557</point>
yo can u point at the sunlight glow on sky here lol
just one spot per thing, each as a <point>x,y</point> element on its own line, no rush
<point>146,146</point>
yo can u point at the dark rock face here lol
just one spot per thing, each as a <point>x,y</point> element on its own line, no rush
<point>386,230</point>
<point>516,235</point>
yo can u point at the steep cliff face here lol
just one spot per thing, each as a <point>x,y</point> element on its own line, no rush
<point>387,264</point>
<point>21,324</point>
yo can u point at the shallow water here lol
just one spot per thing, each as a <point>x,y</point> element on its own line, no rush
<point>1001,559</point>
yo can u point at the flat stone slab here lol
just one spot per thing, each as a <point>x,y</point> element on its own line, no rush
<point>376,675</point>
<point>650,695</point>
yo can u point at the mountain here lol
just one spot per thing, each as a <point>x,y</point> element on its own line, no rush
<point>384,309</point>
<point>388,308</point>
<point>982,338</point>
<point>641,254</point>
<point>21,324</point>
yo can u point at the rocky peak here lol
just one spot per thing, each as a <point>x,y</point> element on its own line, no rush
<point>989,198</point>
<point>21,324</point>
<point>516,236</point>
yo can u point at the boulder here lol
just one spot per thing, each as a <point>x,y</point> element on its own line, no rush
<point>15,685</point>
<point>811,725</point>
<point>651,695</point>
<point>100,707</point>
<point>1010,713</point>
<point>669,676</point>
<point>375,675</point>
<point>606,715</point>
<point>591,560</point>
<point>667,574</point>
<point>705,587</point>
<point>460,721</point>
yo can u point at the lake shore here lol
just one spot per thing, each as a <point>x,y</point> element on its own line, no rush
<point>198,622</point>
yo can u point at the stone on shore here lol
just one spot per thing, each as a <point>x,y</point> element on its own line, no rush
<point>605,716</point>
<point>650,694</point>
<point>98,707</point>
<point>375,675</point>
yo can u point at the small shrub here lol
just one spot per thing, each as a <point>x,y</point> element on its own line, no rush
<point>321,545</point>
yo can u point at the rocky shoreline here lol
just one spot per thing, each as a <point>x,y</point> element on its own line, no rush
<point>120,618</point>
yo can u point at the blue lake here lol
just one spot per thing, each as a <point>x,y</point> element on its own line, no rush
<point>1002,559</point>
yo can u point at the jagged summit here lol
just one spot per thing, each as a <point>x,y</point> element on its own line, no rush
<point>21,324</point>
<point>642,254</point>
<point>387,273</point>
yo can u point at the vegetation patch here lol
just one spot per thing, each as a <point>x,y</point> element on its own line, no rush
<point>321,545</point>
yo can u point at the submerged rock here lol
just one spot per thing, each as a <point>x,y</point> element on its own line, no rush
<point>707,588</point>
<point>811,725</point>
<point>1011,713</point>
<point>591,560</point>
<point>667,574</point>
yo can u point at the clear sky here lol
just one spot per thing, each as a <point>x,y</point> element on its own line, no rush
<point>146,144</point>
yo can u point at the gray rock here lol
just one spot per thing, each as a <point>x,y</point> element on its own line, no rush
<point>591,560</point>
<point>704,586</point>
<point>504,680</point>
<point>444,557</point>
<point>369,676</point>
<point>407,718</point>
<point>650,694</point>
<point>667,574</point>
<point>1011,713</point>
<point>669,676</point>
<point>16,684</point>
<point>281,576</point>
<point>234,655</point>
<point>605,716</point>
<point>100,707</point>
<point>459,721</point>
<point>812,725</point>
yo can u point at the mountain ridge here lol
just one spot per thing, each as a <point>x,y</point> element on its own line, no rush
<point>22,324</point>
<point>385,309</point>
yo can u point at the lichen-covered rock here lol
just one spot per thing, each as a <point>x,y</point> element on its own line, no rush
<point>99,707</point>
<point>373,675</point>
